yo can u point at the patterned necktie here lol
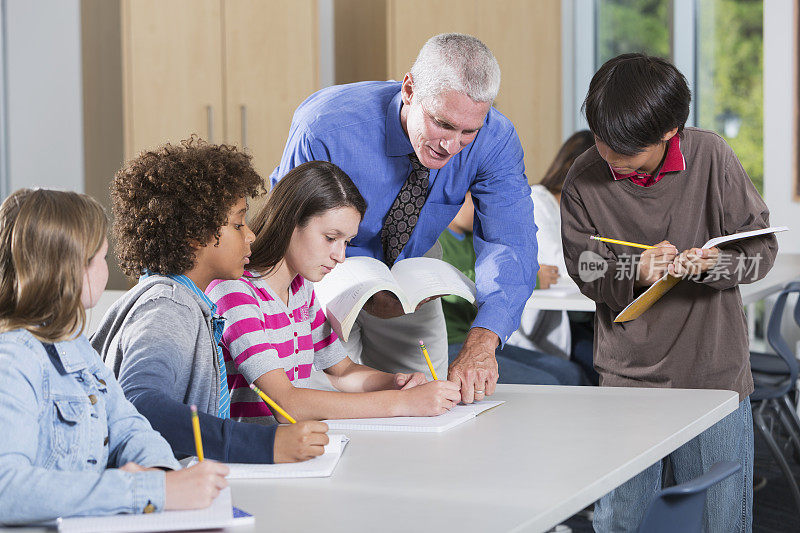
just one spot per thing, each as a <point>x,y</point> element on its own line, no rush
<point>404,213</point>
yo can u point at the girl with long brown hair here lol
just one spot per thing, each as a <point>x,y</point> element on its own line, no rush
<point>276,329</point>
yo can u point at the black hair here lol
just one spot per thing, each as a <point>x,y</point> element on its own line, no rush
<point>634,99</point>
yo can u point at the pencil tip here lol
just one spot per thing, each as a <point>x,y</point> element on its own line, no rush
<point>193,408</point>
<point>421,343</point>
<point>253,386</point>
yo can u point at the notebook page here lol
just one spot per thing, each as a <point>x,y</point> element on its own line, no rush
<point>218,515</point>
<point>743,235</point>
<point>427,424</point>
<point>321,466</point>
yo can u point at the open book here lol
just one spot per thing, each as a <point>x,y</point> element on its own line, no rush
<point>663,285</point>
<point>345,290</point>
<point>218,515</point>
<point>321,466</point>
<point>427,424</point>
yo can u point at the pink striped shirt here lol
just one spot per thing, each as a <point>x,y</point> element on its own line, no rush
<point>262,334</point>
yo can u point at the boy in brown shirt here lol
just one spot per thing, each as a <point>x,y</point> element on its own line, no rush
<point>649,180</point>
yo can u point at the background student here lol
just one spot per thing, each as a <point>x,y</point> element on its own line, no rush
<point>516,365</point>
<point>567,334</point>
<point>73,444</point>
<point>179,222</point>
<point>650,180</point>
<point>276,328</point>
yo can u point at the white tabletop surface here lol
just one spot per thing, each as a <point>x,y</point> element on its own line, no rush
<point>526,465</point>
<point>785,269</point>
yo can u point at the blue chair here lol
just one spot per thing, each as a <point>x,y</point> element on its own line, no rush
<point>679,509</point>
<point>772,398</point>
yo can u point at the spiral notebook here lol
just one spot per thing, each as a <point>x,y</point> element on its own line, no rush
<point>428,424</point>
<point>219,514</point>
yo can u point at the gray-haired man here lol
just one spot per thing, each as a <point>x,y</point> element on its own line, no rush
<point>414,149</point>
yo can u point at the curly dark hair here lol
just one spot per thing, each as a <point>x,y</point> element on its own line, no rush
<point>167,200</point>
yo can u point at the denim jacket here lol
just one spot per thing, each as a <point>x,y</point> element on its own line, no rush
<point>65,428</point>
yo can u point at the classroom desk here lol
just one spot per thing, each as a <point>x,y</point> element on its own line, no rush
<point>785,269</point>
<point>526,465</point>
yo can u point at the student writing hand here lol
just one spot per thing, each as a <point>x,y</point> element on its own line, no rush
<point>300,442</point>
<point>384,304</point>
<point>430,399</point>
<point>653,263</point>
<point>548,275</point>
<point>195,487</point>
<point>694,261</point>
<point>408,381</point>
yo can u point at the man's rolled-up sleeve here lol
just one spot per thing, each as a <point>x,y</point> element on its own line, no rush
<point>504,238</point>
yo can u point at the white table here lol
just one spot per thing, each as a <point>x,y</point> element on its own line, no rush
<point>526,465</point>
<point>785,269</point>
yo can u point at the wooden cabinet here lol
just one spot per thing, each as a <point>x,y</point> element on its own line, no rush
<point>231,71</point>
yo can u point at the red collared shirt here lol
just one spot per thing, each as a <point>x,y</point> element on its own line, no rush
<point>673,162</point>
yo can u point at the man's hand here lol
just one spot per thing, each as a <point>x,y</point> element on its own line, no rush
<point>694,261</point>
<point>384,304</point>
<point>654,262</point>
<point>475,368</point>
<point>548,275</point>
<point>409,381</point>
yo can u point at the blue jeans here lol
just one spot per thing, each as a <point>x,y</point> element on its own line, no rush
<point>518,365</point>
<point>729,504</point>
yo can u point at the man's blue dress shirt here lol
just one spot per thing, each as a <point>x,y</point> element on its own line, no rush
<point>357,127</point>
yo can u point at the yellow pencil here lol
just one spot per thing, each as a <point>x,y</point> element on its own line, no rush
<point>428,359</point>
<point>626,243</point>
<point>271,403</point>
<point>198,440</point>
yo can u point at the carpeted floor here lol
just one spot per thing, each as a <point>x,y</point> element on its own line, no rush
<point>774,510</point>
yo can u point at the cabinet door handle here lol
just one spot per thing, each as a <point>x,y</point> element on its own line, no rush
<point>243,113</point>
<point>210,123</point>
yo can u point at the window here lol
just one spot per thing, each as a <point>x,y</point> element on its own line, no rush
<point>729,89</point>
<point>717,44</point>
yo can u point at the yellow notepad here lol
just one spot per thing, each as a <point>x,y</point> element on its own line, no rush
<point>662,286</point>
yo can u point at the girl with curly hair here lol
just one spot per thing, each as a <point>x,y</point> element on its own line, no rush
<point>277,329</point>
<point>78,447</point>
<point>179,223</point>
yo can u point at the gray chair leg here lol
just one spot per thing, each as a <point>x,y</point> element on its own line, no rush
<point>788,418</point>
<point>760,423</point>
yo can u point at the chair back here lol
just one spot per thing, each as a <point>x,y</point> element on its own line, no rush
<point>679,509</point>
<point>775,338</point>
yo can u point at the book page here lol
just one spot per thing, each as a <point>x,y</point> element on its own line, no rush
<point>344,291</point>
<point>321,466</point>
<point>218,515</point>
<point>427,424</point>
<point>424,277</point>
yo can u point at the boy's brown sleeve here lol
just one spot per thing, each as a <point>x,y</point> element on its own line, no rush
<point>750,259</point>
<point>580,253</point>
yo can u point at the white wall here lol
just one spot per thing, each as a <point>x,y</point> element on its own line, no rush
<point>780,99</point>
<point>44,94</point>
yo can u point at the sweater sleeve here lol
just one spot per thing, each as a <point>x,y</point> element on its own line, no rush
<point>750,259</point>
<point>591,264</point>
<point>152,362</point>
<point>223,440</point>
